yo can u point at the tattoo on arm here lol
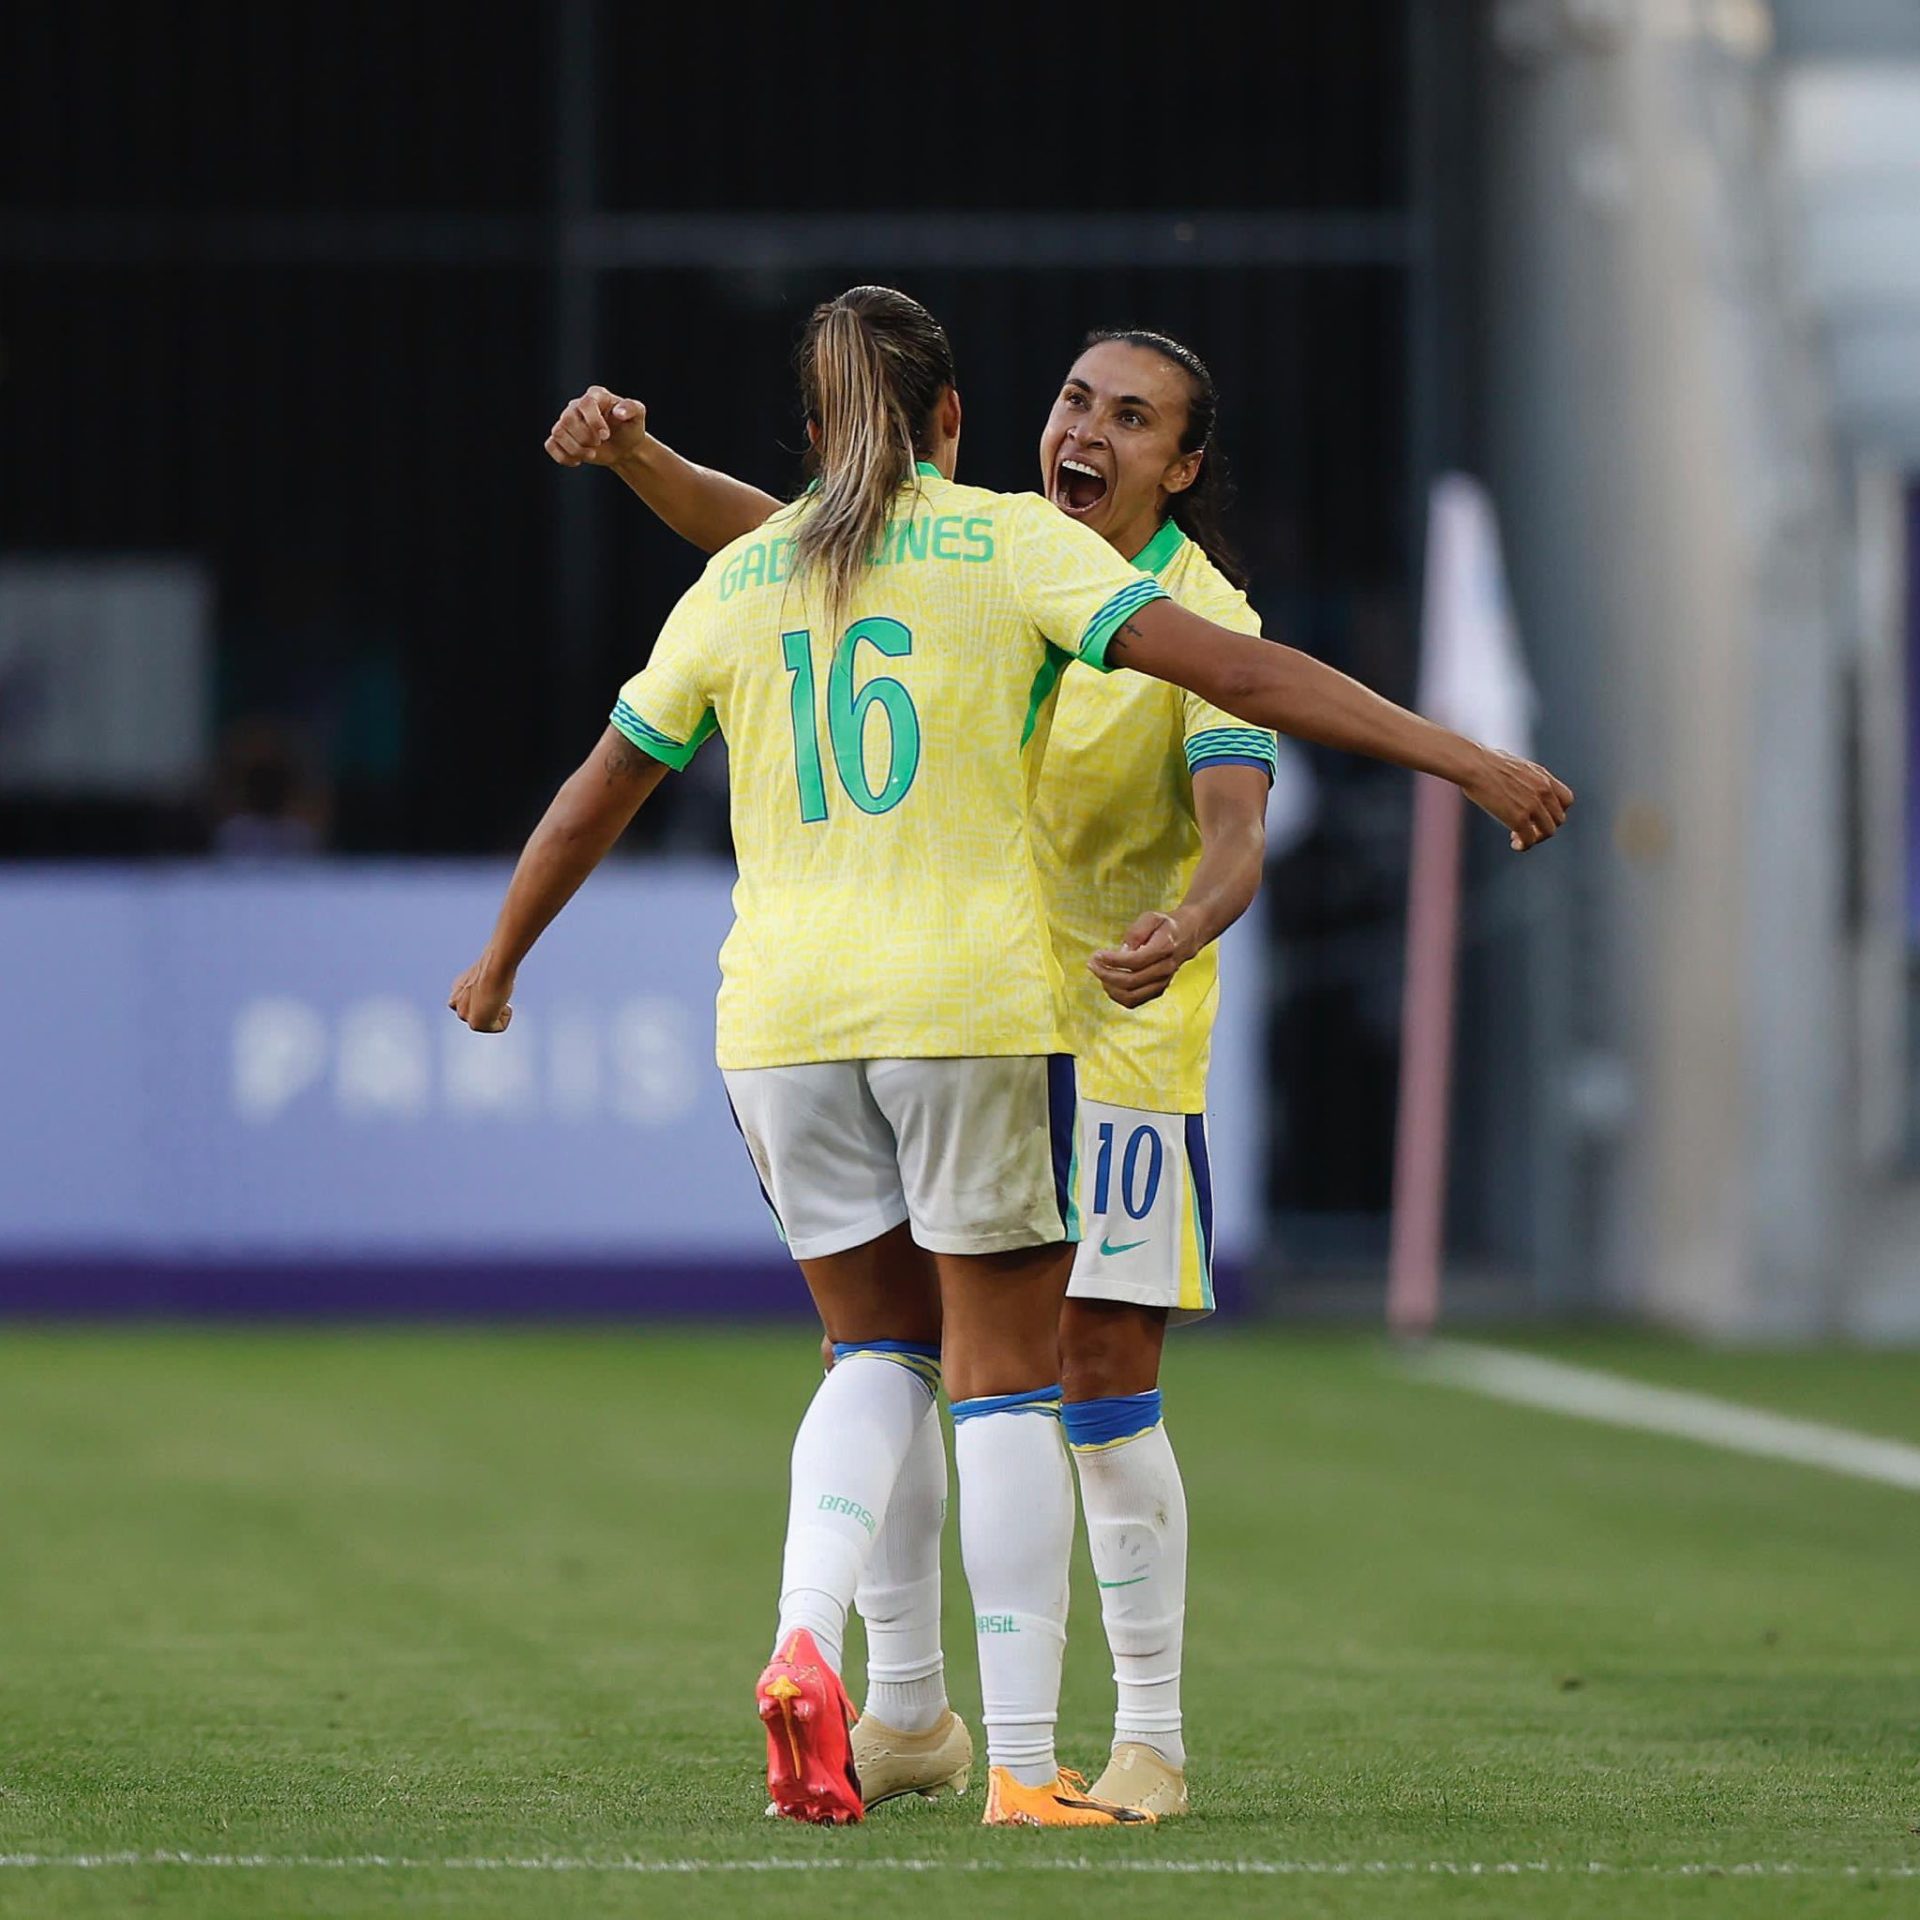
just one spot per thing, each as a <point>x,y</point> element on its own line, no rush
<point>624,761</point>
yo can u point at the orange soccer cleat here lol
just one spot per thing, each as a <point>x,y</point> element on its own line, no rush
<point>810,1771</point>
<point>1062,1802</point>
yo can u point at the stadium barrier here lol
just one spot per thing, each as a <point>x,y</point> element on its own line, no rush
<point>238,1089</point>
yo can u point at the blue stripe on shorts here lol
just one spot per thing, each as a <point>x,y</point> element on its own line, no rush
<point>1062,1123</point>
<point>1202,1176</point>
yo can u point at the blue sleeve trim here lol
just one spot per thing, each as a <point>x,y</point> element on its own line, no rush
<point>1233,747</point>
<point>1253,744</point>
<point>1232,760</point>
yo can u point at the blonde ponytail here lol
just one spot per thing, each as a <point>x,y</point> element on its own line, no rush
<point>873,367</point>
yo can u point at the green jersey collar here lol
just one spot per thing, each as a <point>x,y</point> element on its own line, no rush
<point>1154,556</point>
<point>927,470</point>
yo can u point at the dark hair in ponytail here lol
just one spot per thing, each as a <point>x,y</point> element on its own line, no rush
<point>873,365</point>
<point>1198,511</point>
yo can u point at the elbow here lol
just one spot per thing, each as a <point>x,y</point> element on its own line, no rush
<point>1241,687</point>
<point>1256,690</point>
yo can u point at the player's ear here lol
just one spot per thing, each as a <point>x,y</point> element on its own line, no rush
<point>813,433</point>
<point>1182,473</point>
<point>948,414</point>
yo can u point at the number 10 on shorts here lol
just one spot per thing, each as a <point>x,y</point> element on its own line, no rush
<point>1146,1205</point>
<point>1141,1162</point>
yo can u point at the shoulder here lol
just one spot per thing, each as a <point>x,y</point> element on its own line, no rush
<point>1013,517</point>
<point>1015,510</point>
<point>1054,539</point>
<point>1199,586</point>
<point>955,496</point>
<point>755,559</point>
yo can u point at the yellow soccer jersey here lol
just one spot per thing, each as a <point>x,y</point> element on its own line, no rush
<point>882,770</point>
<point>1115,834</point>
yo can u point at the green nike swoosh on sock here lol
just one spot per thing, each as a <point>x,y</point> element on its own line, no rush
<point>1134,1582</point>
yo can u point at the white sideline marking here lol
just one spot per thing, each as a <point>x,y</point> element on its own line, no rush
<point>1587,1394</point>
<point>1327,1869</point>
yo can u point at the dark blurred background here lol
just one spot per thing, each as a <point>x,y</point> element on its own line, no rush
<point>297,290</point>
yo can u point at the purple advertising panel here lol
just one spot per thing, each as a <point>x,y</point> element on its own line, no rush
<point>241,1087</point>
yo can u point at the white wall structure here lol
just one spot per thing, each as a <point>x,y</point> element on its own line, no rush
<point>1850,122</point>
<point>1677,431</point>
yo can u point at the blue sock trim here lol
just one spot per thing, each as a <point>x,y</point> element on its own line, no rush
<point>1042,1400</point>
<point>919,1359</point>
<point>1092,1424</point>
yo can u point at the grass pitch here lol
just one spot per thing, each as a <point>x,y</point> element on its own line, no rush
<point>325,1600</point>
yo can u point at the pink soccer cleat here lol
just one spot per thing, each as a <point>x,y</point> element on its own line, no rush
<point>810,1771</point>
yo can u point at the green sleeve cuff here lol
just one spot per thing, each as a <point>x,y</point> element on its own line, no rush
<point>650,740</point>
<point>1113,616</point>
<point>1233,746</point>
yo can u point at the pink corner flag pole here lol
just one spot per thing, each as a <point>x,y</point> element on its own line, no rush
<point>1426,1060</point>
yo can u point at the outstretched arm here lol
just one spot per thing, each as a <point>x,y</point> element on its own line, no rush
<point>703,506</point>
<point>1230,804</point>
<point>587,816</point>
<point>1283,688</point>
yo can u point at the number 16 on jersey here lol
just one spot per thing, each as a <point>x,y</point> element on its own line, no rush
<point>848,711</point>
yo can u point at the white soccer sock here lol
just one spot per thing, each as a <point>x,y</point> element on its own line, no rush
<point>1016,1539</point>
<point>1136,1512</point>
<point>846,1458</point>
<point>899,1599</point>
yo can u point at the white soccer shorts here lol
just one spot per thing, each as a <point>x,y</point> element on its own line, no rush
<point>977,1154</point>
<point>1144,1193</point>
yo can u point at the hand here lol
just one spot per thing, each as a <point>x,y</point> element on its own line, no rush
<point>481,996</point>
<point>600,429</point>
<point>1526,799</point>
<point>1142,967</point>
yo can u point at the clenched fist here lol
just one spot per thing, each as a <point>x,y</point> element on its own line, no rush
<point>1142,966</point>
<point>483,996</point>
<point>1526,799</point>
<point>599,429</point>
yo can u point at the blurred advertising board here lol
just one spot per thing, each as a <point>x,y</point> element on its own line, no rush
<point>240,1086</point>
<point>104,666</point>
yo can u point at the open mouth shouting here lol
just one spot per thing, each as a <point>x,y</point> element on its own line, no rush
<point>1078,486</point>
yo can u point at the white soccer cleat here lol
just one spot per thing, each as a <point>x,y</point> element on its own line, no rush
<point>891,1763</point>
<point>1136,1776</point>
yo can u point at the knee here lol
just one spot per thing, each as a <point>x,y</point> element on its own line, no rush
<point>1108,1350</point>
<point>979,1368</point>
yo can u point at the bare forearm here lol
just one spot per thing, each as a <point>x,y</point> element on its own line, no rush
<point>1286,690</point>
<point>1290,691</point>
<point>1313,701</point>
<point>1223,884</point>
<point>702,505</point>
<point>586,817</point>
